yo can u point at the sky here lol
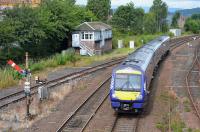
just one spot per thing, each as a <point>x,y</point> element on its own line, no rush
<point>182,4</point>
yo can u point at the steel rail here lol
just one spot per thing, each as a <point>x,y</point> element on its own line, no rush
<point>62,127</point>
<point>180,42</point>
<point>198,63</point>
<point>136,124</point>
<point>188,87</point>
<point>95,112</point>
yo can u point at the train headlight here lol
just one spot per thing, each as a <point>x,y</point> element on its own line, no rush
<point>139,97</point>
<point>114,96</point>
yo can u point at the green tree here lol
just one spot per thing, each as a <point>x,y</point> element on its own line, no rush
<point>160,9</point>
<point>150,23</point>
<point>101,8</point>
<point>7,32</point>
<point>175,20</point>
<point>192,25</point>
<point>83,15</point>
<point>139,18</point>
<point>9,48</point>
<point>196,16</point>
<point>40,30</point>
<point>128,18</point>
<point>32,30</point>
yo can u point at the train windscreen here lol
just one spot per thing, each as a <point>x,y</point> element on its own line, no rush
<point>128,82</point>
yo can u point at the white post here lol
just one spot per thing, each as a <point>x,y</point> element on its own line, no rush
<point>132,44</point>
<point>120,44</point>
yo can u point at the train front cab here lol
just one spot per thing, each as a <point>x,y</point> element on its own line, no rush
<point>127,91</point>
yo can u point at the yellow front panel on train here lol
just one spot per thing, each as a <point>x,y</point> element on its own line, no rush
<point>128,71</point>
<point>126,95</point>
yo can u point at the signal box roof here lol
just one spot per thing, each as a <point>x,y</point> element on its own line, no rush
<point>93,26</point>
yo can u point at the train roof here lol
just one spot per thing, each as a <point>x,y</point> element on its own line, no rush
<point>142,56</point>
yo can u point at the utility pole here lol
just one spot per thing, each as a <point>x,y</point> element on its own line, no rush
<point>27,86</point>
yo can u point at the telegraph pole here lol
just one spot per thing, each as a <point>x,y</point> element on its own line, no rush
<point>27,86</point>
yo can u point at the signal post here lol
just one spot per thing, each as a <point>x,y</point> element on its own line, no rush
<point>27,86</point>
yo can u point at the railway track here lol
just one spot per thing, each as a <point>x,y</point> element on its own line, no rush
<point>192,79</point>
<point>80,117</point>
<point>19,96</point>
<point>174,43</point>
<point>125,123</point>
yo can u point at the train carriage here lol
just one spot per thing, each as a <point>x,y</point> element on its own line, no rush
<point>131,79</point>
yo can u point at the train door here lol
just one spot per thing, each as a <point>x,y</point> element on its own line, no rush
<point>75,40</point>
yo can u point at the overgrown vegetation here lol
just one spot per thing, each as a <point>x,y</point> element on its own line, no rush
<point>193,24</point>
<point>8,77</point>
<point>187,105</point>
<point>59,59</point>
<point>172,119</point>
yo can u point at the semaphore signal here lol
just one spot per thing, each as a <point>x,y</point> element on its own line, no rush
<point>16,67</point>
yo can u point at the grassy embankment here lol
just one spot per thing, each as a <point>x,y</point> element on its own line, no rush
<point>172,120</point>
<point>8,77</point>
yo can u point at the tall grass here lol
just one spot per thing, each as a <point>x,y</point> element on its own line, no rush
<point>7,78</point>
<point>55,61</point>
<point>127,37</point>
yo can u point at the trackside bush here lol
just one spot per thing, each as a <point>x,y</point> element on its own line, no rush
<point>37,66</point>
<point>7,77</point>
<point>71,56</point>
<point>60,59</point>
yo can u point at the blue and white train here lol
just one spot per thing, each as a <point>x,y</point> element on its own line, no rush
<point>131,80</point>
